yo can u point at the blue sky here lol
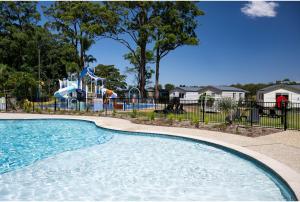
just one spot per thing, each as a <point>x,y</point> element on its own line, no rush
<point>259,43</point>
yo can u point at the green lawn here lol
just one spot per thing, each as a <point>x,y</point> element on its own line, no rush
<point>293,119</point>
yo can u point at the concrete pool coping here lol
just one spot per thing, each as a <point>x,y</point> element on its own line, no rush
<point>291,177</point>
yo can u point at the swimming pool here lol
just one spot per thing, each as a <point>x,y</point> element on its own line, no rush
<point>75,160</point>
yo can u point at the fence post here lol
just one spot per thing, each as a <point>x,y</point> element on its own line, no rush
<point>55,104</point>
<point>6,102</point>
<point>284,107</point>
<point>251,112</point>
<point>203,110</point>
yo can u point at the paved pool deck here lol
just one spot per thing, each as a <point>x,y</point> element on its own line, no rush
<point>280,151</point>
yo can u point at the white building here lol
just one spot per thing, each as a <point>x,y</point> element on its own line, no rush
<point>271,93</point>
<point>189,93</point>
<point>219,92</point>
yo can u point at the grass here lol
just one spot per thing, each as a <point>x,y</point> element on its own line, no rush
<point>293,119</point>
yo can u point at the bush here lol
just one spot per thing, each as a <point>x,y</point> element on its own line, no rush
<point>114,112</point>
<point>227,105</point>
<point>151,116</point>
<point>171,118</point>
<point>195,121</point>
<point>24,85</point>
<point>27,106</point>
<point>133,114</point>
<point>179,118</point>
<point>38,110</point>
<point>206,120</point>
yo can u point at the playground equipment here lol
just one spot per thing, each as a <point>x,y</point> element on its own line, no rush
<point>87,85</point>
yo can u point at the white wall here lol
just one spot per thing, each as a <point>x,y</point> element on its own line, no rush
<point>212,94</point>
<point>191,96</point>
<point>230,94</point>
<point>271,96</point>
<point>174,94</point>
<point>226,94</point>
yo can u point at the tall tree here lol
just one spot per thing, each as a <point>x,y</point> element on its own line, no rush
<point>79,24</point>
<point>169,87</point>
<point>17,26</point>
<point>135,69</point>
<point>175,27</point>
<point>114,79</point>
<point>133,31</point>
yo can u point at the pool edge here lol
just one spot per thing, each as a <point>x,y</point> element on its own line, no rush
<point>290,177</point>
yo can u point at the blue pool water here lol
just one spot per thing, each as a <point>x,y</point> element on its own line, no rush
<point>75,160</point>
<point>24,142</point>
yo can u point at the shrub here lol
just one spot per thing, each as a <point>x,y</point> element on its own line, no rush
<point>206,120</point>
<point>38,110</point>
<point>114,112</point>
<point>133,114</point>
<point>226,105</point>
<point>179,118</point>
<point>195,121</point>
<point>151,116</point>
<point>27,106</point>
<point>170,118</point>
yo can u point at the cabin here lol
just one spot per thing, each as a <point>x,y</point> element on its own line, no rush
<point>290,93</point>
<point>219,92</point>
<point>188,93</point>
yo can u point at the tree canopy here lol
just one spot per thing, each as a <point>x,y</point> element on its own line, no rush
<point>61,42</point>
<point>114,79</point>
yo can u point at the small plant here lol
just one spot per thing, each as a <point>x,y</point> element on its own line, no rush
<point>206,120</point>
<point>27,106</point>
<point>38,110</point>
<point>133,114</point>
<point>179,118</point>
<point>114,112</point>
<point>49,111</point>
<point>171,118</point>
<point>227,105</point>
<point>195,121</point>
<point>151,116</point>
<point>223,126</point>
<point>237,131</point>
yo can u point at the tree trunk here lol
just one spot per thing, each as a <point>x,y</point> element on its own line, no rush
<point>143,45</point>
<point>157,73</point>
<point>81,54</point>
<point>143,70</point>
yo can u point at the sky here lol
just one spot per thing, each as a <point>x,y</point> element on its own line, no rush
<point>240,42</point>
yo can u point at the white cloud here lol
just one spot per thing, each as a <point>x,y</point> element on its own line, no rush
<point>260,9</point>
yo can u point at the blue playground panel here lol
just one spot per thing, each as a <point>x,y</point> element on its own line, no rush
<point>72,106</point>
<point>138,106</point>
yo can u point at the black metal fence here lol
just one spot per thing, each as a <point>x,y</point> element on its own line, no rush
<point>248,113</point>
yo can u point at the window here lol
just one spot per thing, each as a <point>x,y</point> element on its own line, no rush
<point>233,95</point>
<point>261,96</point>
<point>241,95</point>
<point>213,94</point>
<point>181,95</point>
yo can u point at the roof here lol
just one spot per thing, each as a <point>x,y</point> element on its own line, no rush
<point>223,88</point>
<point>188,88</point>
<point>230,88</point>
<point>295,88</point>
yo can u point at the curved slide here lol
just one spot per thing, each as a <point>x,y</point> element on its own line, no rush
<point>64,92</point>
<point>109,93</point>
